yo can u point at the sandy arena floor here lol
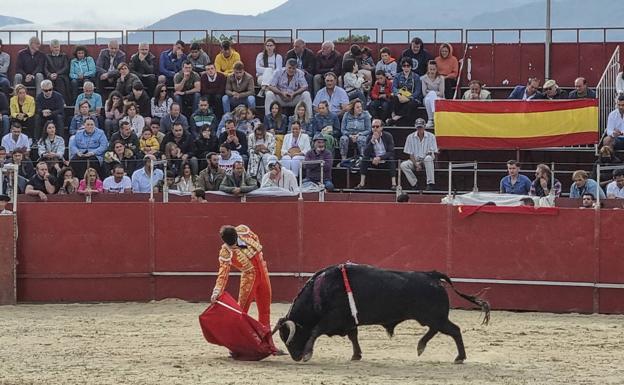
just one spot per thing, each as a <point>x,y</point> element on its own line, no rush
<point>161,343</point>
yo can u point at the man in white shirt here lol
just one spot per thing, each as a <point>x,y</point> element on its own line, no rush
<point>615,127</point>
<point>279,177</point>
<point>15,139</point>
<point>142,180</point>
<point>227,158</point>
<point>421,146</point>
<point>119,182</point>
<point>615,189</point>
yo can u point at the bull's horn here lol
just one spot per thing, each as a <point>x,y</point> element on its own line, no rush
<point>277,327</point>
<point>291,330</point>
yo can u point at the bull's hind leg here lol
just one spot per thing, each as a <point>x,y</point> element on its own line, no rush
<point>454,331</point>
<point>357,351</point>
<point>422,344</point>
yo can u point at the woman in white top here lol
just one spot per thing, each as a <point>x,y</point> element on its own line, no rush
<point>186,182</point>
<point>294,148</point>
<point>51,147</point>
<point>261,147</point>
<point>131,115</point>
<point>432,89</point>
<point>267,62</point>
<point>161,102</point>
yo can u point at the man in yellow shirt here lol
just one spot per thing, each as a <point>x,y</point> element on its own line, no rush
<point>224,62</point>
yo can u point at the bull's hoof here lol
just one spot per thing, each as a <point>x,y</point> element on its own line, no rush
<point>459,360</point>
<point>307,356</point>
<point>356,357</point>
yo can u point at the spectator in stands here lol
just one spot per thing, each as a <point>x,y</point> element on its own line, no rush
<point>155,126</point>
<point>366,62</point>
<point>355,127</point>
<point>378,153</point>
<point>606,157</point>
<point>448,66</point>
<point>118,182</point>
<point>418,56</point>
<point>615,189</point>
<point>227,158</point>
<point>50,106</point>
<point>476,91</point>
<point>313,170</point>
<point>132,116</point>
<point>142,100</point>
<point>4,113</point>
<point>57,70</point>
<point>336,96</point>
<point>81,69</point>
<point>160,103</point>
<point>91,183</point>
<point>107,64</point>
<point>180,136</point>
<point>581,91</point>
<point>143,181</point>
<point>551,91</point>
<point>619,80</point>
<point>261,146</point>
<point>206,143</point>
<point>22,107</point>
<point>514,182</point>
<point>24,165</point>
<point>4,201</point>
<point>239,88</point>
<point>249,124</point>
<point>213,88</point>
<point>187,88</point>
<point>94,99</point>
<point>407,94</point>
<point>327,124</point>
<point>583,184</point>
<point>422,147</point>
<point>224,62</point>
<point>122,153</point>
<point>42,183</point>
<point>528,92</point>
<point>381,95</point>
<point>544,184</point>
<point>614,137</point>
<point>238,182</point>
<point>305,120</point>
<point>387,64</point>
<point>304,59</point>
<point>174,116</point>
<point>186,182</point>
<point>15,139</point>
<point>432,89</point>
<point>239,115</point>
<point>3,157</point>
<point>5,61</point>
<point>198,58</point>
<point>148,144</point>
<point>198,196</point>
<point>51,147</point>
<point>203,118</point>
<point>210,178</point>
<point>128,137</point>
<point>354,83</point>
<point>356,54</point>
<point>589,201</point>
<point>327,60</point>
<point>30,65</point>
<point>277,124</point>
<point>142,65</point>
<point>279,177</point>
<point>296,145</point>
<point>125,80</point>
<point>169,181</point>
<point>288,87</point>
<point>66,182</point>
<point>170,62</point>
<point>88,147</point>
<point>267,62</point>
<point>77,122</point>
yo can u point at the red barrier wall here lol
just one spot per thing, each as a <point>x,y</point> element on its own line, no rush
<point>136,251</point>
<point>7,260</point>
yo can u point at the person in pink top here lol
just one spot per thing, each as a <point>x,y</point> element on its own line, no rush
<point>91,183</point>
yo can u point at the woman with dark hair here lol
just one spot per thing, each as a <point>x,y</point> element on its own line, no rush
<point>432,89</point>
<point>161,102</point>
<point>81,69</point>
<point>186,181</point>
<point>406,95</point>
<point>131,115</point>
<point>267,62</point>
<point>66,182</point>
<point>113,111</point>
<point>277,124</point>
<point>353,82</point>
<point>261,146</point>
<point>51,147</point>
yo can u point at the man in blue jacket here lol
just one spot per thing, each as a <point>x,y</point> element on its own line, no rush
<point>170,62</point>
<point>528,92</point>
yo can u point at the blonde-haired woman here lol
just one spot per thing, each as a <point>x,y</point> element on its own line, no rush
<point>22,109</point>
<point>91,183</point>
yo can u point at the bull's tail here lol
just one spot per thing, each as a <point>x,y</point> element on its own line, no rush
<point>483,304</point>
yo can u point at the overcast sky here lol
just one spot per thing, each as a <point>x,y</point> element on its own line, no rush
<point>121,14</point>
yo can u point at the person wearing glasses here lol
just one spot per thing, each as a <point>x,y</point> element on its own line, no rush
<point>50,106</point>
<point>551,91</point>
<point>378,153</point>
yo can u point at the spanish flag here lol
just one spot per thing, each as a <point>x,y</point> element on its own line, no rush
<point>505,124</point>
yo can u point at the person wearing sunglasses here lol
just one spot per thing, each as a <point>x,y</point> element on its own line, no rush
<point>50,105</point>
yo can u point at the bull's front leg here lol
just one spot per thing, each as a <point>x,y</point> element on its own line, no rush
<point>308,349</point>
<point>357,351</point>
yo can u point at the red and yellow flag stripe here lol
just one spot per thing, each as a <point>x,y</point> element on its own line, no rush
<point>503,124</point>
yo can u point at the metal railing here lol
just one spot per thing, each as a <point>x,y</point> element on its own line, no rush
<point>605,91</point>
<point>14,182</point>
<point>94,40</point>
<point>452,166</point>
<point>349,31</point>
<point>426,32</point>
<point>10,33</point>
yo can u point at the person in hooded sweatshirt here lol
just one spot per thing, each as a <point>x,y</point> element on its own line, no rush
<point>386,63</point>
<point>418,55</point>
<point>448,66</point>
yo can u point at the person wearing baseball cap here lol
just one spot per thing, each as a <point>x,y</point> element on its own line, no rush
<point>421,146</point>
<point>313,170</point>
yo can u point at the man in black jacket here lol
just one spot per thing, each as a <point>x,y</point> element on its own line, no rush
<point>418,55</point>
<point>306,60</point>
<point>378,153</point>
<point>184,140</point>
<point>57,70</point>
<point>30,65</point>
<point>50,106</point>
<point>142,65</point>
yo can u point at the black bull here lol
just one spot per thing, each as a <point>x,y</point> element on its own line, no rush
<point>382,297</point>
